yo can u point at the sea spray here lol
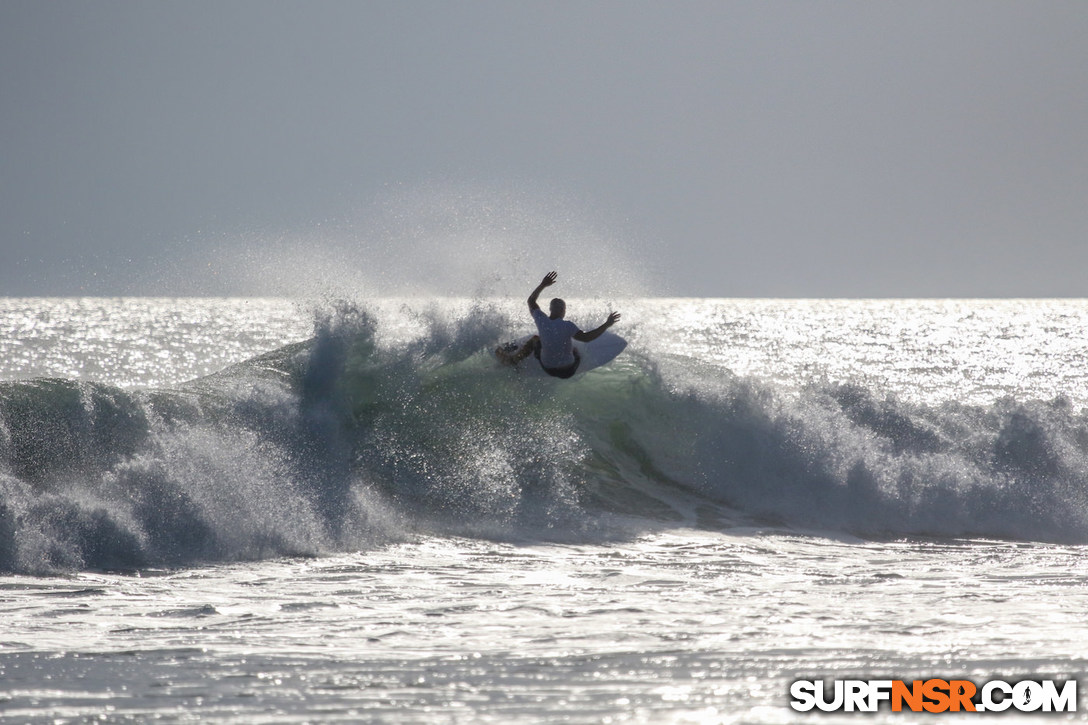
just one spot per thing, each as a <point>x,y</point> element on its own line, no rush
<point>840,458</point>
<point>356,435</point>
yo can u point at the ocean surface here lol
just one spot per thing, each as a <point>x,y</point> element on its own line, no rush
<point>264,510</point>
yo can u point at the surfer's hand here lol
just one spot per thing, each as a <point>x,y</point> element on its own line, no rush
<point>549,279</point>
<point>613,317</point>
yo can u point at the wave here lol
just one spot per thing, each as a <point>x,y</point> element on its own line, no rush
<point>346,439</point>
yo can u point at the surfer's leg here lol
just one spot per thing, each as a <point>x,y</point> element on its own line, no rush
<point>511,354</point>
<point>505,353</point>
<point>530,347</point>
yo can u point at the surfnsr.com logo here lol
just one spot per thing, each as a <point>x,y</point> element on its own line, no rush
<point>934,695</point>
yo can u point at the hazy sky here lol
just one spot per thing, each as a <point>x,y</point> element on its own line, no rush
<point>702,148</point>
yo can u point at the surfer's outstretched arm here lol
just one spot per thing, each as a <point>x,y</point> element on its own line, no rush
<point>549,280</point>
<point>594,334</point>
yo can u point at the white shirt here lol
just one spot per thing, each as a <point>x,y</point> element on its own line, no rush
<point>556,344</point>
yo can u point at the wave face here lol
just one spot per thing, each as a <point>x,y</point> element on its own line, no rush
<point>349,438</point>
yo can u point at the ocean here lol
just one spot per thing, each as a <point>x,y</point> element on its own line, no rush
<point>267,510</point>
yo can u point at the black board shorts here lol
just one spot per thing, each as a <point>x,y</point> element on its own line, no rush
<point>563,372</point>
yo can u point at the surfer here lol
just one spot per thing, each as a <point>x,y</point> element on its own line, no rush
<point>553,343</point>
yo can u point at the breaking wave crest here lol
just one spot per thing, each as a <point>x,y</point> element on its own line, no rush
<point>345,440</point>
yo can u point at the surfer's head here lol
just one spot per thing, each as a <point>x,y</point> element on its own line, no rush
<point>558,309</point>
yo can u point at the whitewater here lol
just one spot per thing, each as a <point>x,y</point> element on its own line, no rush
<point>263,510</point>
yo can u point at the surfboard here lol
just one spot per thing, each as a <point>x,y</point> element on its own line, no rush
<point>594,354</point>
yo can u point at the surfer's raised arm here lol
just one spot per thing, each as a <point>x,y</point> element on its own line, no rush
<point>592,335</point>
<point>548,281</point>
